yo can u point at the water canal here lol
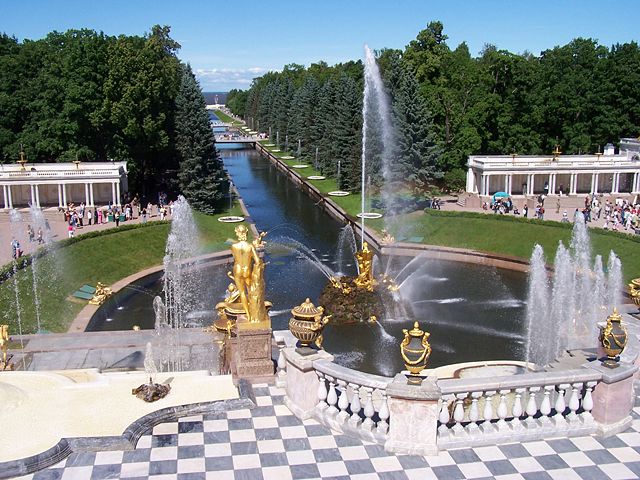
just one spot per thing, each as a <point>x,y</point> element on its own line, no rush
<point>472,312</point>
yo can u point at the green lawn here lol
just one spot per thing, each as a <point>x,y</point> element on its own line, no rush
<point>107,257</point>
<point>226,118</point>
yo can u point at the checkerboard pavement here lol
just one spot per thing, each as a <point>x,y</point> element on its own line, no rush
<point>269,442</point>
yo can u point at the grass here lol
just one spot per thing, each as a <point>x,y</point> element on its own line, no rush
<point>226,118</point>
<point>106,256</point>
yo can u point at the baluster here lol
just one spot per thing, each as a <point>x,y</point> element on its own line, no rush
<point>545,405</point>
<point>487,413</point>
<point>502,410</point>
<point>574,403</point>
<point>332,397</point>
<point>458,413</point>
<point>532,408</point>
<point>517,410</point>
<point>369,411</point>
<point>383,413</point>
<point>355,419</point>
<point>444,417</point>
<point>560,406</point>
<point>587,403</point>
<point>282,370</point>
<point>474,414</point>
<point>322,392</point>
<point>343,402</point>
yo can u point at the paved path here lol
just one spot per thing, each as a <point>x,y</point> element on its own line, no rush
<point>269,442</point>
<point>58,229</point>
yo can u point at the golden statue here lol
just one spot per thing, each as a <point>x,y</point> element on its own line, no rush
<point>101,294</point>
<point>365,266</point>
<point>387,238</point>
<point>248,275</point>
<point>4,346</point>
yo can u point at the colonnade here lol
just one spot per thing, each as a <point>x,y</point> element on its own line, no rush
<point>62,193</point>
<point>551,186</point>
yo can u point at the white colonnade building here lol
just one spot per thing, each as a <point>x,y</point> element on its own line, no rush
<point>58,184</point>
<point>606,173</point>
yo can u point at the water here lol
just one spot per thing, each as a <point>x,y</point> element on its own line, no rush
<point>346,249</point>
<point>486,326</point>
<point>563,310</point>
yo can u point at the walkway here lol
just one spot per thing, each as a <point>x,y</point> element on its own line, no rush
<point>269,442</point>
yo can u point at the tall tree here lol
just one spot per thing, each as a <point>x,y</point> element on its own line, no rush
<point>202,180</point>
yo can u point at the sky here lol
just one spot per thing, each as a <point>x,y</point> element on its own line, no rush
<point>230,43</point>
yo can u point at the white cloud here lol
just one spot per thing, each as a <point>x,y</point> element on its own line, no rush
<point>228,77</point>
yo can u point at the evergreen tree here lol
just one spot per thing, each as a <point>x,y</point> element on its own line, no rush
<point>202,180</point>
<point>417,152</point>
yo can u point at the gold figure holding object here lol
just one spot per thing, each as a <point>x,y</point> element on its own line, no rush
<point>415,351</point>
<point>101,294</point>
<point>248,275</point>
<point>613,339</point>
<point>365,266</point>
<point>387,238</point>
<point>4,346</point>
<point>634,291</point>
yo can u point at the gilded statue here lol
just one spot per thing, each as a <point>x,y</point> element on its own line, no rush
<point>365,266</point>
<point>248,275</point>
<point>101,294</point>
<point>4,346</point>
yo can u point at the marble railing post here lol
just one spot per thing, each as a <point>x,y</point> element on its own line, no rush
<point>612,398</point>
<point>414,411</point>
<point>302,381</point>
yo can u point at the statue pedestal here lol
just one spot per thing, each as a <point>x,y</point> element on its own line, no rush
<point>252,350</point>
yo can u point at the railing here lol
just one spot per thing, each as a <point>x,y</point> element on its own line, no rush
<point>352,402</point>
<point>528,406</point>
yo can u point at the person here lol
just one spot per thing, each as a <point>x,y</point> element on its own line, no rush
<point>525,211</point>
<point>70,230</point>
<point>558,205</point>
<point>99,216</point>
<point>15,249</point>
<point>40,238</point>
<point>30,233</point>
<point>565,217</point>
<point>89,216</point>
<point>144,215</point>
<point>116,217</point>
<point>95,216</point>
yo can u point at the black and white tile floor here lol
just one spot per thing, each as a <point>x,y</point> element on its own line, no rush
<point>269,442</point>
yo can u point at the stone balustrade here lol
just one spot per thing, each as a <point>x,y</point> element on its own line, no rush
<point>456,412</point>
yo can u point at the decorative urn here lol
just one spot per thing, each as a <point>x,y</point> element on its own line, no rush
<point>415,350</point>
<point>613,339</point>
<point>307,325</point>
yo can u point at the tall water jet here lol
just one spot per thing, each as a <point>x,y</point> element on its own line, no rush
<point>613,294</point>
<point>347,248</point>
<point>541,340</point>
<point>375,111</point>
<point>180,279</point>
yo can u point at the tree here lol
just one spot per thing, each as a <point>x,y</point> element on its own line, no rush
<point>201,177</point>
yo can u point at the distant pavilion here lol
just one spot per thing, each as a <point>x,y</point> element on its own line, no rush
<point>51,184</point>
<point>556,174</point>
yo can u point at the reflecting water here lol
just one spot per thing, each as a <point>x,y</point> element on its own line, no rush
<point>472,312</point>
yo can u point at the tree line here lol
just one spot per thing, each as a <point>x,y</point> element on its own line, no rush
<point>448,104</point>
<point>83,95</point>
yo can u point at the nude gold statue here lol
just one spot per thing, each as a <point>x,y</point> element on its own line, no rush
<point>248,275</point>
<point>365,268</point>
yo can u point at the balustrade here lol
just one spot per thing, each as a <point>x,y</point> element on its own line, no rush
<point>485,416</point>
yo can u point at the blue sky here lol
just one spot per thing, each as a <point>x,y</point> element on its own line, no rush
<point>229,43</point>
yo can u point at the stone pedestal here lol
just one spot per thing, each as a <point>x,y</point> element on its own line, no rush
<point>302,381</point>
<point>613,398</point>
<point>252,355</point>
<point>414,417</point>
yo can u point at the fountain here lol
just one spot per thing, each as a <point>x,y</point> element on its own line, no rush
<point>563,309</point>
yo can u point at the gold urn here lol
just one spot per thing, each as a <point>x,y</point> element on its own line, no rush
<point>613,339</point>
<point>415,350</point>
<point>307,325</point>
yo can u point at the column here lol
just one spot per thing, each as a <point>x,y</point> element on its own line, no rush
<point>550,189</point>
<point>636,187</point>
<point>33,196</point>
<point>37,191</point>
<point>510,184</point>
<point>470,180</point>
<point>64,195</point>
<point>91,194</point>
<point>616,182</point>
<point>572,184</point>
<point>506,182</point>
<point>118,191</point>
<point>483,184</point>
<point>6,199</point>
<point>86,194</point>
<point>595,183</point>
<point>60,204</point>
<point>9,195</point>
<point>113,193</point>
<point>532,184</point>
<point>552,186</point>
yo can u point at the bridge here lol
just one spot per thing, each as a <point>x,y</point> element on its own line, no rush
<point>237,139</point>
